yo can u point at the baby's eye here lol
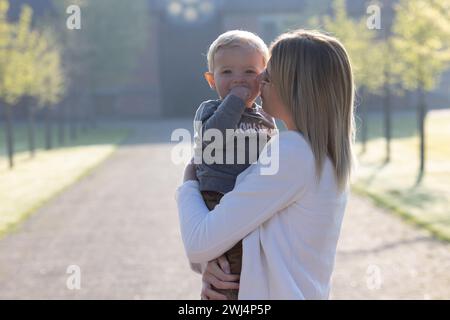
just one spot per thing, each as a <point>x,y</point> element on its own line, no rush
<point>250,71</point>
<point>226,71</point>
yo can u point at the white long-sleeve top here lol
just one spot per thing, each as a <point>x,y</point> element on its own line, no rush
<point>289,222</point>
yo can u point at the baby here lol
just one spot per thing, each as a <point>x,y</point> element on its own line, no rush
<point>235,60</point>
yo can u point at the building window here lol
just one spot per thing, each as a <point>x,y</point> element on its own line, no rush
<point>274,25</point>
<point>190,11</point>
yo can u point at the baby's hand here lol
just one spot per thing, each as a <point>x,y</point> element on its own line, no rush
<point>241,92</point>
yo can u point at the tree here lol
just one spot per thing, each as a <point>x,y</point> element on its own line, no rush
<point>15,66</point>
<point>390,77</point>
<point>50,77</point>
<point>34,52</point>
<point>106,50</point>
<point>74,60</point>
<point>5,48</point>
<point>387,79</point>
<point>365,56</point>
<point>391,74</point>
<point>29,67</point>
<point>422,41</point>
<point>28,39</point>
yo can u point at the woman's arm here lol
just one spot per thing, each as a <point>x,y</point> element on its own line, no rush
<point>206,235</point>
<point>215,272</point>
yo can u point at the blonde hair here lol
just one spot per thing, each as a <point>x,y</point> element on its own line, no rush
<point>312,73</point>
<point>235,38</point>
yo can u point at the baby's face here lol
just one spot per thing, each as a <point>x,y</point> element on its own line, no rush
<point>237,66</point>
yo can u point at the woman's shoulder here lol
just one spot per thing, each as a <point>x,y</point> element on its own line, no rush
<point>288,154</point>
<point>293,144</point>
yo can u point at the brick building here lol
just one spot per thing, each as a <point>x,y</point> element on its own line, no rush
<point>168,81</point>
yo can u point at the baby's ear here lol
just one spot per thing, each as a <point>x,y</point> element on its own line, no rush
<point>209,76</point>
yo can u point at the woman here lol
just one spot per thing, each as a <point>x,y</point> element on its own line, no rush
<point>289,221</point>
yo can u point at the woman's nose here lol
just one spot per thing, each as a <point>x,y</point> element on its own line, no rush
<point>259,77</point>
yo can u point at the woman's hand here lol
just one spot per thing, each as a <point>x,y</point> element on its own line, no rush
<point>190,171</point>
<point>217,274</point>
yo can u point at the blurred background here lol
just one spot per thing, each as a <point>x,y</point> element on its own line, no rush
<point>91,90</point>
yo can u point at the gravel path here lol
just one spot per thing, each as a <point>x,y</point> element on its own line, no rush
<point>381,256</point>
<point>119,226</point>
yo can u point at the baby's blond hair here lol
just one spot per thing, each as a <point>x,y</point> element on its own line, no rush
<point>236,38</point>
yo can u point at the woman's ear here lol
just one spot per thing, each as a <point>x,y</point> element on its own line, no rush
<point>209,76</point>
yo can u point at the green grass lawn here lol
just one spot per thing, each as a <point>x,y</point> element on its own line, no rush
<point>35,181</point>
<point>392,185</point>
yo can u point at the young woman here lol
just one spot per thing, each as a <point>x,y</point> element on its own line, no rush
<point>289,221</point>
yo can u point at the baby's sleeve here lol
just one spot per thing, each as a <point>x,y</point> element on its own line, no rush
<point>222,117</point>
<point>227,115</point>
<point>203,113</point>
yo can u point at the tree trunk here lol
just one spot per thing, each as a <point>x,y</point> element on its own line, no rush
<point>48,128</point>
<point>73,118</point>
<point>387,95</point>
<point>387,120</point>
<point>93,112</point>
<point>30,127</point>
<point>85,113</point>
<point>9,134</point>
<point>422,112</point>
<point>364,119</point>
<point>61,123</point>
